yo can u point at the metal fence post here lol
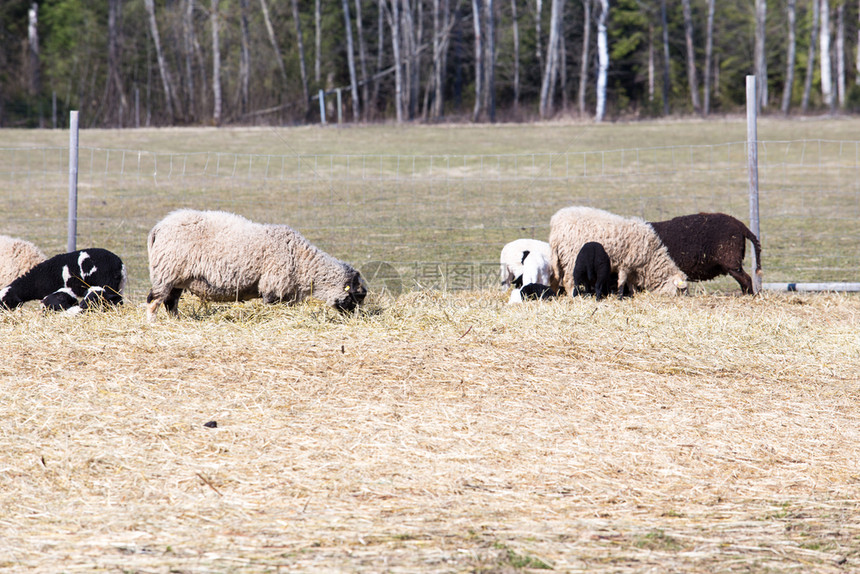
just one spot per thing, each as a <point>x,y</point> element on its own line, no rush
<point>322,107</point>
<point>71,240</point>
<point>752,166</point>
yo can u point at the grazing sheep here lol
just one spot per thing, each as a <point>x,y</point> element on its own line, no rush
<point>592,271</point>
<point>221,256</point>
<point>75,273</point>
<point>633,247</point>
<point>706,245</point>
<point>531,292</point>
<point>514,254</point>
<point>16,258</point>
<point>536,268</point>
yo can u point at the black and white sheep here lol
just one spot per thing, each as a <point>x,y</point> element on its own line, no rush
<point>634,250</point>
<point>513,256</point>
<point>74,274</point>
<point>531,292</point>
<point>17,256</point>
<point>220,256</point>
<point>707,245</point>
<point>592,272</point>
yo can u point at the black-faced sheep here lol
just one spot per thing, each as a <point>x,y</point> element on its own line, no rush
<point>75,273</point>
<point>592,271</point>
<point>706,245</point>
<point>531,292</point>
<point>633,247</point>
<point>16,258</point>
<point>221,256</point>
<point>61,300</point>
<point>514,254</point>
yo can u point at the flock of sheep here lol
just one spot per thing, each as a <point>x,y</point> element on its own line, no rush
<point>221,256</point>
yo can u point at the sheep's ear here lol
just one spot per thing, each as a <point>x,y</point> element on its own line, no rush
<point>525,254</point>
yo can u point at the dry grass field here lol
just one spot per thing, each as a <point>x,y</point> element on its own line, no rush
<point>435,432</point>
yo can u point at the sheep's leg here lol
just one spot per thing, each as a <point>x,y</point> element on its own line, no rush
<point>743,280</point>
<point>622,280</point>
<point>171,303</point>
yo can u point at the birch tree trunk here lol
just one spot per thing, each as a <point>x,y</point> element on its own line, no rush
<point>691,56</point>
<point>113,87</point>
<point>245,61</point>
<point>490,61</point>
<point>810,59</point>
<point>857,61</point>
<point>602,60</point>
<point>516,33</point>
<point>709,52</point>
<point>840,53</point>
<point>824,48</point>
<point>318,40</point>
<point>583,66</point>
<point>398,61</point>
<point>166,82</point>
<point>380,50</point>
<point>760,58</point>
<point>33,49</point>
<point>350,58</point>
<point>666,62</point>
<point>216,65</point>
<point>362,58</point>
<point>188,44</point>
<point>562,62</point>
<point>548,80</point>
<point>440,59</point>
<point>479,60</point>
<point>790,56</point>
<point>302,69</point>
<point>407,35</point>
<point>278,59</point>
<point>651,66</point>
<point>538,34</point>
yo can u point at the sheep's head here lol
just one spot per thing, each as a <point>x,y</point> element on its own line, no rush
<point>676,284</point>
<point>353,290</point>
<point>8,299</point>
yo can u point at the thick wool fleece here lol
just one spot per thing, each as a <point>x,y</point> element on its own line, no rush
<point>16,258</point>
<point>707,245</point>
<point>634,249</point>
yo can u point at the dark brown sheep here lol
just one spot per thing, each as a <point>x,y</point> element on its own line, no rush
<point>706,245</point>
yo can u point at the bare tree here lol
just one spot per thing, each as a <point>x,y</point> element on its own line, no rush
<point>394,22</point>
<point>547,86</point>
<point>479,60</point>
<point>538,33</point>
<point>791,10</point>
<point>709,55</point>
<point>810,59</point>
<point>516,33</point>
<point>301,45</point>
<point>760,57</point>
<point>216,65</point>
<point>380,51</point>
<point>317,40</point>
<point>166,81</point>
<point>857,62</point>
<point>33,48</point>
<point>245,60</point>
<point>666,63</point>
<point>586,45</point>
<point>651,65</point>
<point>691,56</point>
<point>362,57</point>
<point>113,86</point>
<point>490,60</point>
<point>188,48</point>
<point>824,45</point>
<point>350,56</point>
<point>840,53</point>
<point>602,60</point>
<point>271,30</point>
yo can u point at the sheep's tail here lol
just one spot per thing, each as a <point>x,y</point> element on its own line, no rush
<point>757,246</point>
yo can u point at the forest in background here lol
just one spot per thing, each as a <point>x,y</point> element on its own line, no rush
<point>126,63</point>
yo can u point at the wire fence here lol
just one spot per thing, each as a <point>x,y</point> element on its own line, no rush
<point>439,221</point>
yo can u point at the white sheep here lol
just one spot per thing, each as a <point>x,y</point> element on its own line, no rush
<point>513,255</point>
<point>636,252</point>
<point>16,258</point>
<point>536,269</point>
<point>221,256</point>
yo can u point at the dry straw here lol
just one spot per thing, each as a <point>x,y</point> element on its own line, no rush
<point>437,432</point>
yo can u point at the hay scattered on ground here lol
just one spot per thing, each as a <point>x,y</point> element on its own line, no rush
<point>435,432</point>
